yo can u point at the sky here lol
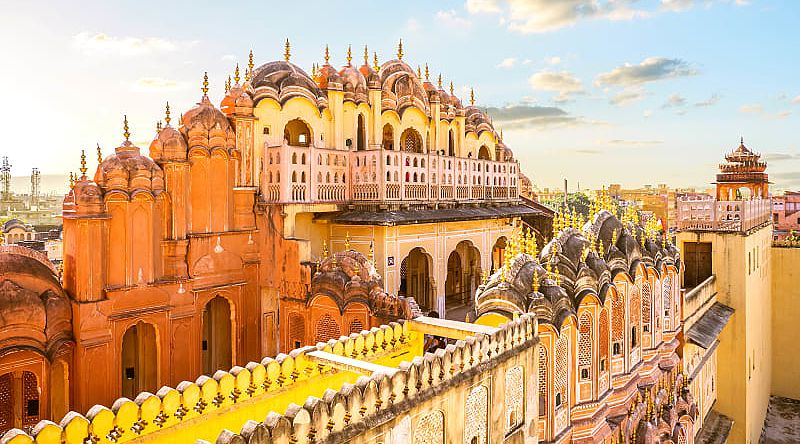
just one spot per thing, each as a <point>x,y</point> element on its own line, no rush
<point>594,91</point>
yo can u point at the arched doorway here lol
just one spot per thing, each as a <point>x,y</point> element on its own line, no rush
<point>388,137</point>
<point>498,252</point>
<point>415,279</point>
<point>19,400</point>
<point>360,134</point>
<point>216,345</point>
<point>139,360</point>
<point>483,153</point>
<point>297,133</point>
<point>463,277</point>
<point>411,141</point>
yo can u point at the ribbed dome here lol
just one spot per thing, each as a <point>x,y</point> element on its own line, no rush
<point>129,171</point>
<point>281,74</point>
<point>354,84</point>
<point>168,145</point>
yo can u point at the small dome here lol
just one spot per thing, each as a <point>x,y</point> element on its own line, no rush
<point>168,145</point>
<point>206,116</point>
<point>273,74</point>
<point>354,84</point>
<point>127,170</point>
<point>88,197</point>
<point>236,100</point>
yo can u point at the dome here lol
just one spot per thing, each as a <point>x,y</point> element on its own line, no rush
<point>168,145</point>
<point>401,88</point>
<point>127,170</point>
<point>206,127</point>
<point>87,197</point>
<point>34,310</point>
<point>283,80</point>
<point>354,84</point>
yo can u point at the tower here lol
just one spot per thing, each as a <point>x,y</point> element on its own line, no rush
<point>726,244</point>
<point>36,181</point>
<point>5,178</point>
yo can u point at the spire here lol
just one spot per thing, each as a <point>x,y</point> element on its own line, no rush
<point>372,251</point>
<point>249,73</point>
<point>287,51</point>
<point>400,50</point>
<point>419,72</point>
<point>236,76</point>
<point>99,155</point>
<point>347,241</point>
<point>349,55</point>
<point>228,84</point>
<point>71,180</point>
<point>83,164</point>
<point>440,81</point>
<point>158,126</point>
<point>427,73</point>
<point>452,90</point>
<point>167,118</point>
<point>205,84</point>
<point>125,133</point>
<point>375,61</point>
<point>366,55</point>
<point>472,96</point>
<point>327,55</point>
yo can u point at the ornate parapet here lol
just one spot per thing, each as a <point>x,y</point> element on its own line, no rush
<point>332,388</point>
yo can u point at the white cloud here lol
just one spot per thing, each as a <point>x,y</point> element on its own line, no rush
<point>101,43</point>
<point>228,58</point>
<point>451,19</point>
<point>650,70</point>
<point>627,96</point>
<point>711,101</point>
<point>674,101</point>
<point>507,63</point>
<point>781,115</point>
<point>157,84</point>
<point>527,61</point>
<point>479,6</point>
<point>647,114</point>
<point>553,60</point>
<point>751,109</point>
<point>796,100</point>
<point>564,83</point>
<point>677,5</point>
<point>412,25</point>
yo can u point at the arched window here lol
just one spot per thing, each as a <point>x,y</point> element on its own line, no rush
<point>585,346</point>
<point>216,343</point>
<point>303,159</point>
<point>388,137</point>
<point>297,133</point>
<point>451,144</point>
<point>483,153</point>
<point>361,134</point>
<point>303,177</point>
<point>411,141</point>
<point>294,158</point>
<point>294,176</point>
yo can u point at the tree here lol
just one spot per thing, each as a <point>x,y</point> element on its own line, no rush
<point>580,202</point>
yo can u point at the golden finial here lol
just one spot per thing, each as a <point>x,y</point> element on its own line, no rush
<point>452,89</point>
<point>375,65</point>
<point>249,67</point>
<point>601,249</point>
<point>167,118</point>
<point>83,164</point>
<point>366,55</point>
<point>400,50</point>
<point>440,81</point>
<point>125,132</point>
<point>99,155</point>
<point>535,281</point>
<point>349,54</point>
<point>427,73</point>
<point>158,126</point>
<point>205,84</point>
<point>347,241</point>
<point>324,249</point>
<point>327,55</point>
<point>334,260</point>
<point>485,276</point>
<point>357,269</point>
<point>228,85</point>
<point>472,96</point>
<point>71,180</point>
<point>236,74</point>
<point>419,72</point>
<point>287,51</point>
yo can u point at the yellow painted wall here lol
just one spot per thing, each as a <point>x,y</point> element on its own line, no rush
<point>785,317</point>
<point>741,264</point>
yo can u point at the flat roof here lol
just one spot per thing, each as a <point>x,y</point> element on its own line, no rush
<point>428,215</point>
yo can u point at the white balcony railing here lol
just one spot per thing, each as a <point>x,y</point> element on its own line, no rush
<point>313,174</point>
<point>704,213</point>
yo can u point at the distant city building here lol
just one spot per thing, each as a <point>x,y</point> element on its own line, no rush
<point>785,215</point>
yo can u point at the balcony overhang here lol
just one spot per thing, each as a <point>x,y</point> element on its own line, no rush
<point>706,330</point>
<point>425,216</point>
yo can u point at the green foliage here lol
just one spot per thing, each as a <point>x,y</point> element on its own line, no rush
<point>580,202</point>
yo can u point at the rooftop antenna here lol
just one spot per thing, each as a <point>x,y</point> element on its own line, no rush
<point>5,178</point>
